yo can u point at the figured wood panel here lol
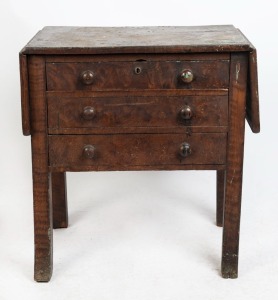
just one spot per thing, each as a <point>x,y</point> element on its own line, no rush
<point>110,112</point>
<point>136,149</point>
<point>123,75</point>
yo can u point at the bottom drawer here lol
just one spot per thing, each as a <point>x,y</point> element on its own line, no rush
<point>77,151</point>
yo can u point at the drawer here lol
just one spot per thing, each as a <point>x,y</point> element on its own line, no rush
<point>100,112</point>
<point>70,76</point>
<point>77,151</point>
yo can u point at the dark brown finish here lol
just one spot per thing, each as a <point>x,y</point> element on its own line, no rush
<point>186,112</point>
<point>186,130</point>
<point>135,149</point>
<point>88,113</point>
<point>147,98</point>
<point>41,178</point>
<point>220,196</point>
<point>233,184</point>
<point>59,200</point>
<point>185,150</point>
<point>252,103</point>
<point>120,40</point>
<point>128,112</point>
<point>25,106</point>
<point>89,151</point>
<point>139,57</point>
<point>81,168</point>
<point>211,74</point>
<point>87,77</point>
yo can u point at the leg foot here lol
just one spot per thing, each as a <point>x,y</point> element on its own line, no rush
<point>43,227</point>
<point>43,269</point>
<point>229,266</point>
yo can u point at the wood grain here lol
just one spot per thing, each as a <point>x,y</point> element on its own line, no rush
<point>252,103</point>
<point>122,76</point>
<point>136,149</point>
<point>41,176</point>
<point>220,196</point>
<point>128,112</point>
<point>233,185</point>
<point>59,200</point>
<point>103,40</point>
<point>136,57</point>
<point>25,105</point>
<point>137,95</point>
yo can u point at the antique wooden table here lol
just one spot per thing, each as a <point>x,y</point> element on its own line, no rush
<point>146,98</point>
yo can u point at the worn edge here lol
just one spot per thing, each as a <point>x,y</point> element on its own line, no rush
<point>252,101</point>
<point>252,96</point>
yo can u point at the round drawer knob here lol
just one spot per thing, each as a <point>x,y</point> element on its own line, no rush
<point>187,76</point>
<point>87,77</point>
<point>88,113</point>
<point>89,151</point>
<point>186,113</point>
<point>185,150</point>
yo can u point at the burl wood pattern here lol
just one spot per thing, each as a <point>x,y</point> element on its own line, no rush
<point>110,99</point>
<point>137,75</point>
<point>136,149</point>
<point>68,112</point>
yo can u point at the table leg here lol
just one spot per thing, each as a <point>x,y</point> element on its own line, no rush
<point>42,226</point>
<point>41,177</point>
<point>59,200</point>
<point>220,196</point>
<point>234,166</point>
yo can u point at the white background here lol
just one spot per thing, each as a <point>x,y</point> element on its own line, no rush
<point>139,235</point>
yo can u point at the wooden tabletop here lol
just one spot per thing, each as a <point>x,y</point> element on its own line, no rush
<point>101,40</point>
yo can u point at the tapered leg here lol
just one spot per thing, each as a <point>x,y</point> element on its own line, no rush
<point>220,196</point>
<point>237,98</point>
<point>59,200</point>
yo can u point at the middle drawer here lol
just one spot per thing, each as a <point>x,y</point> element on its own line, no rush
<point>111,112</point>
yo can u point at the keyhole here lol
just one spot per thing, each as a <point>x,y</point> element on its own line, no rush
<point>137,70</point>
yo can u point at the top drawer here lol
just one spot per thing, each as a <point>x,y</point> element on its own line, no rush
<point>122,75</point>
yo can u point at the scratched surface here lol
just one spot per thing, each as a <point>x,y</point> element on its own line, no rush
<point>93,40</point>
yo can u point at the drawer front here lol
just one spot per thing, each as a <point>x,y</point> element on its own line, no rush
<point>136,149</point>
<point>137,112</point>
<point>211,74</point>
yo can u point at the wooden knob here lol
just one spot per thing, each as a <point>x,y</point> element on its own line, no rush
<point>187,76</point>
<point>186,113</point>
<point>185,150</point>
<point>89,151</point>
<point>88,113</point>
<point>87,77</point>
